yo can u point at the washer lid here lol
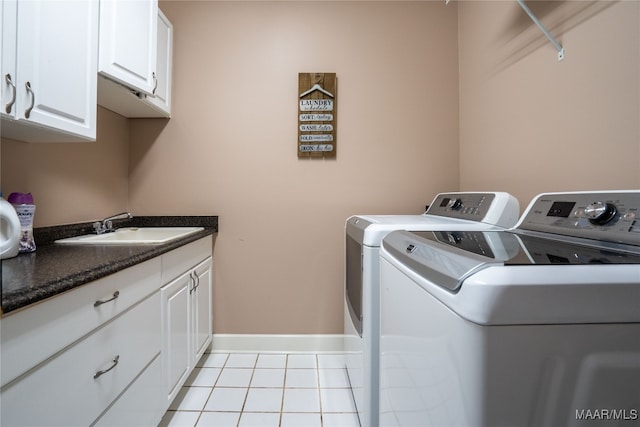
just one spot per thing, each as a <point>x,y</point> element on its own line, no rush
<point>511,248</point>
<point>447,258</point>
<point>503,278</point>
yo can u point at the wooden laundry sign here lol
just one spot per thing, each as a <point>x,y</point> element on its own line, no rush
<point>317,115</point>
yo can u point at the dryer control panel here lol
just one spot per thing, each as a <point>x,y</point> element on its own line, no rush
<point>497,208</point>
<point>603,216</point>
<point>472,206</point>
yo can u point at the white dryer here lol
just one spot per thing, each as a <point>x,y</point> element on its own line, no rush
<point>364,233</point>
<point>535,326</point>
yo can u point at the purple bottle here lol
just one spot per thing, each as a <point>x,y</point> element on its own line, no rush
<point>23,204</point>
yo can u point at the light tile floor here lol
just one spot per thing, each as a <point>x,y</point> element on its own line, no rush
<point>265,390</point>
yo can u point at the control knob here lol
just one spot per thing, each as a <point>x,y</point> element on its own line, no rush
<point>455,204</point>
<point>454,238</point>
<point>600,213</point>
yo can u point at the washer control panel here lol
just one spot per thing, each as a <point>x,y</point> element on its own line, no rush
<point>472,206</point>
<point>604,216</point>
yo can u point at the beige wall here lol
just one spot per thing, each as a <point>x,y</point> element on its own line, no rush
<point>230,146</point>
<point>72,182</point>
<point>527,124</point>
<point>531,124</point>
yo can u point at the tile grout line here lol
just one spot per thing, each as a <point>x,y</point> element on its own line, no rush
<point>284,387</point>
<point>319,390</point>
<point>246,396</point>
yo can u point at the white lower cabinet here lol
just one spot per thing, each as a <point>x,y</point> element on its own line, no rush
<point>29,337</point>
<point>186,313</point>
<point>74,387</point>
<point>113,352</point>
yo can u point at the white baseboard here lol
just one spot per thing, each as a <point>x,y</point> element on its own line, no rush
<point>262,343</point>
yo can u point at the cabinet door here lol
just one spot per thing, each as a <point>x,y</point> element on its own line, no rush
<point>8,33</point>
<point>162,99</point>
<point>201,304</point>
<point>176,326</point>
<point>56,65</point>
<point>128,31</point>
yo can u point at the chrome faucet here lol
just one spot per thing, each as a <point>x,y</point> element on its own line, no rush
<point>106,225</point>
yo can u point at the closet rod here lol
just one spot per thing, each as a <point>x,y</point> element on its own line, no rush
<point>536,21</point>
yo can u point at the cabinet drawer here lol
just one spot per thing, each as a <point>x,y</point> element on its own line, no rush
<point>32,335</point>
<point>141,404</point>
<point>179,260</point>
<point>64,392</point>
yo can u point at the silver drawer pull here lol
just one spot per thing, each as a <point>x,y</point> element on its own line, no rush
<point>115,362</point>
<point>116,294</point>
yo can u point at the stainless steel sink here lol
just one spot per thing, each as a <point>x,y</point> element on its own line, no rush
<point>132,236</point>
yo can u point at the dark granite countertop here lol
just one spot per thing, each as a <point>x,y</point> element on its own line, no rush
<point>55,268</point>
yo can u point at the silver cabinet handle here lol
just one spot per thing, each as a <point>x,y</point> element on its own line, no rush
<point>27,112</point>
<point>10,82</point>
<point>193,281</point>
<point>100,373</point>
<point>155,85</point>
<point>116,294</point>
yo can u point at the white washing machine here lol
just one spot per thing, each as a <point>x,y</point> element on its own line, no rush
<point>535,326</point>
<point>459,211</point>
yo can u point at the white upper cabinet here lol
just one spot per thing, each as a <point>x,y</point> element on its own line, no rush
<point>8,59</point>
<point>128,98</point>
<point>49,67</point>
<point>162,99</point>
<point>128,32</point>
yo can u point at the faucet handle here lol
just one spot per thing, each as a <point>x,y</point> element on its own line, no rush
<point>106,224</point>
<point>97,227</point>
<point>101,227</point>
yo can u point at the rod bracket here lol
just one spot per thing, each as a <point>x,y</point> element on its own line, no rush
<point>544,30</point>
